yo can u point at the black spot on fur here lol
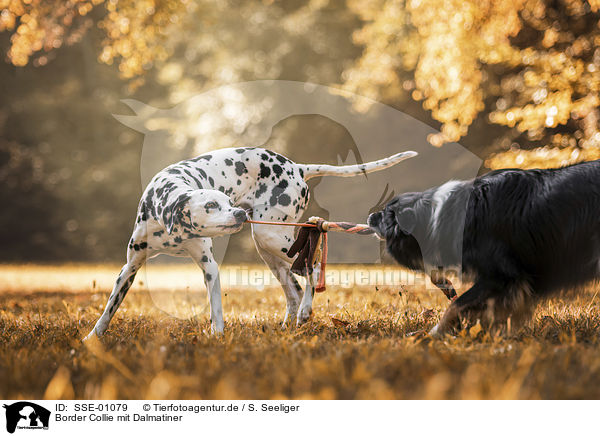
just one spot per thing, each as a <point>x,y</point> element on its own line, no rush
<point>203,157</point>
<point>265,171</point>
<point>240,168</point>
<point>284,199</point>
<point>228,162</point>
<point>282,159</point>
<point>262,188</point>
<point>277,170</point>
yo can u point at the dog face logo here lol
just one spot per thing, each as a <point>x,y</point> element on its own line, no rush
<point>248,113</point>
<point>26,415</point>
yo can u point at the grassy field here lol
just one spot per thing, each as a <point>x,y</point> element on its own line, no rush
<point>355,346</point>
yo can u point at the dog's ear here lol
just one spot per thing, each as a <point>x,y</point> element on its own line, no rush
<point>407,220</point>
<point>178,213</point>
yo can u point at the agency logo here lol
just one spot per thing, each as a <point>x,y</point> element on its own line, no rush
<point>26,415</point>
<point>254,114</point>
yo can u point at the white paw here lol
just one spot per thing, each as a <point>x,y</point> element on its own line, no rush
<point>96,332</point>
<point>289,318</point>
<point>436,332</point>
<point>303,315</point>
<point>91,336</point>
<point>217,329</point>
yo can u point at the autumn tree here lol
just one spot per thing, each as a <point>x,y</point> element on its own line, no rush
<point>530,65</point>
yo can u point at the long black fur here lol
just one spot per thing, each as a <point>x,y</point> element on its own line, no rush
<point>521,235</point>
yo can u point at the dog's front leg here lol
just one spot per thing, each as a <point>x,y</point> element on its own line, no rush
<point>444,285</point>
<point>135,260</point>
<point>474,300</point>
<point>201,251</point>
<point>213,286</point>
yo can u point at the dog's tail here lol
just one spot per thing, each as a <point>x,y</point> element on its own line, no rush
<point>317,170</point>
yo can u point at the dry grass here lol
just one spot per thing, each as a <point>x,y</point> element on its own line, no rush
<point>149,354</point>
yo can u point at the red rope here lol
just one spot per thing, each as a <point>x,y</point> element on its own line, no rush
<point>321,284</point>
<point>277,223</point>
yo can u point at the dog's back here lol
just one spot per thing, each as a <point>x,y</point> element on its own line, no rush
<point>539,225</point>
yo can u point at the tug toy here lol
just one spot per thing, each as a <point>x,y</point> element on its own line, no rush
<point>311,243</point>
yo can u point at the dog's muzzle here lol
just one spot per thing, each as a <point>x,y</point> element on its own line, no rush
<point>373,221</point>
<point>240,216</point>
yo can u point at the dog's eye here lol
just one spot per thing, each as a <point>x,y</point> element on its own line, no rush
<point>211,205</point>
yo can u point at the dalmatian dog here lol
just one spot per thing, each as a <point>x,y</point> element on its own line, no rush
<point>192,201</point>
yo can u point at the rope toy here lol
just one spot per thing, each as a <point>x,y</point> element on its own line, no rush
<point>311,243</point>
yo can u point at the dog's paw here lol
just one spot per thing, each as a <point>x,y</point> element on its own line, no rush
<point>217,332</point>
<point>92,342</point>
<point>216,329</point>
<point>91,337</point>
<point>436,332</point>
<point>303,315</point>
<point>290,317</point>
<point>288,322</point>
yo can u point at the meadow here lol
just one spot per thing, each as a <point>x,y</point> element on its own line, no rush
<point>357,344</point>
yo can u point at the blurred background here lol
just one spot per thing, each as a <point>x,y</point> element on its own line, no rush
<point>516,82</point>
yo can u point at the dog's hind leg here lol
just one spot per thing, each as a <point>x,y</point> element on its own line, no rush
<point>305,310</point>
<point>201,251</point>
<point>291,288</point>
<point>272,243</point>
<point>136,257</point>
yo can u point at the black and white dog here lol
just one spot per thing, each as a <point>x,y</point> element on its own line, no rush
<point>190,202</point>
<point>521,234</point>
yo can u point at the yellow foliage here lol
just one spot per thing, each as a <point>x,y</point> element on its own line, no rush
<point>42,26</point>
<point>135,31</point>
<point>452,46</point>
<point>530,65</point>
<point>543,157</point>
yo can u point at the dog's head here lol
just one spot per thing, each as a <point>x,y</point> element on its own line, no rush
<point>206,213</point>
<point>397,224</point>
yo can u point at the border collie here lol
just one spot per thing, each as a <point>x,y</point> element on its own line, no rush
<point>520,234</point>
